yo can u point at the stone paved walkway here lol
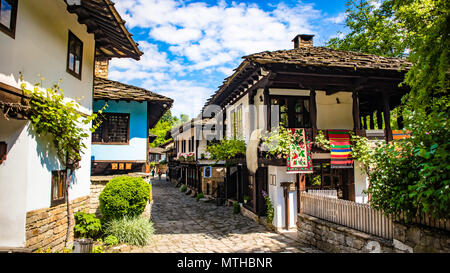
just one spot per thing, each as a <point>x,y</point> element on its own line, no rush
<point>184,225</point>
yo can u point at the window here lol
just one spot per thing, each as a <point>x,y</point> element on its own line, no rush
<point>8,16</point>
<point>293,111</point>
<point>114,129</point>
<point>74,56</point>
<point>236,119</point>
<point>183,146</point>
<point>59,179</point>
<point>207,171</point>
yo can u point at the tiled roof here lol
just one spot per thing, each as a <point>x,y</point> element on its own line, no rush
<point>321,56</point>
<point>105,89</point>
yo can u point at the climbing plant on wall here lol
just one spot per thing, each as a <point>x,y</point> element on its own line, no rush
<point>54,115</point>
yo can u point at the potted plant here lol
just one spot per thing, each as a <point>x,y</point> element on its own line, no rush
<point>246,199</point>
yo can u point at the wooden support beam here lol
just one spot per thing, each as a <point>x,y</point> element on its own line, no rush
<point>313,112</point>
<point>387,117</point>
<point>356,118</point>
<point>268,104</point>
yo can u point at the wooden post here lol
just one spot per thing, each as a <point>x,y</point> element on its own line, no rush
<point>372,126</point>
<point>364,122</point>
<point>387,117</point>
<point>313,112</point>
<point>286,206</point>
<point>224,127</point>
<point>379,120</point>
<point>255,192</point>
<point>356,117</point>
<point>269,110</point>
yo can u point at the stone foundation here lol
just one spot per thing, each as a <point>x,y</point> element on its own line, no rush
<point>47,227</point>
<point>411,238</point>
<point>415,238</point>
<point>331,237</point>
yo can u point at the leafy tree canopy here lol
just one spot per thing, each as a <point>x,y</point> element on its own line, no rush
<point>413,175</point>
<point>165,124</point>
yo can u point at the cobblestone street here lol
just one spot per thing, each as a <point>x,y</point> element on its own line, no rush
<point>184,225</point>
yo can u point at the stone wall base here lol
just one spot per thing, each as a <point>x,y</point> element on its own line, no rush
<point>407,238</point>
<point>47,228</point>
<point>331,237</point>
<point>414,238</point>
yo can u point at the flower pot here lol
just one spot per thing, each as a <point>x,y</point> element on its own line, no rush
<point>83,245</point>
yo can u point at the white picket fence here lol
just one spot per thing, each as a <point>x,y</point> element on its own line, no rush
<point>347,213</point>
<point>327,193</point>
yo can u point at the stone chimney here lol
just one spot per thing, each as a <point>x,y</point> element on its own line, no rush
<point>101,67</point>
<point>303,40</point>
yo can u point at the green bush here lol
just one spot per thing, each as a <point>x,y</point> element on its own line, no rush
<point>199,196</point>
<point>86,225</point>
<point>130,230</point>
<point>111,240</point>
<point>183,188</point>
<point>124,196</point>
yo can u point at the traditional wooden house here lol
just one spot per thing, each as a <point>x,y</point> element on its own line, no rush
<point>59,40</point>
<point>307,89</point>
<point>121,142</point>
<point>191,164</point>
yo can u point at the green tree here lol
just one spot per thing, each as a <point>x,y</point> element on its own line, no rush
<point>165,124</point>
<point>372,30</point>
<point>413,175</point>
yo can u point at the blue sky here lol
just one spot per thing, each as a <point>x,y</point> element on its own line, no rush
<point>191,46</point>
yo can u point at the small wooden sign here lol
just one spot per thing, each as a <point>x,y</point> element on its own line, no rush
<point>3,151</point>
<point>114,166</point>
<point>128,166</point>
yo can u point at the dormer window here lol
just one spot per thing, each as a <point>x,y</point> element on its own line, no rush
<point>74,56</point>
<point>8,15</point>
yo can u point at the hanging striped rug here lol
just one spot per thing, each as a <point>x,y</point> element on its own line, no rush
<point>400,134</point>
<point>341,150</point>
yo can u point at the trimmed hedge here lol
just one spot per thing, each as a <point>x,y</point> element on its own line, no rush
<point>124,196</point>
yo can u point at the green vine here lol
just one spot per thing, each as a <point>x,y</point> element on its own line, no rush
<point>227,149</point>
<point>54,115</point>
<point>51,114</point>
<point>322,141</point>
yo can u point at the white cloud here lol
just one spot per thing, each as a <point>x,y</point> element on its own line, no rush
<point>202,39</point>
<point>338,19</point>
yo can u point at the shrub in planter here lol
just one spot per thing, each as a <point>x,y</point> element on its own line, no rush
<point>86,225</point>
<point>183,188</point>
<point>124,196</point>
<point>130,230</point>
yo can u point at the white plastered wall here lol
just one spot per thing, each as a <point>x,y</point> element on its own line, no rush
<point>334,115</point>
<point>39,47</point>
<point>277,197</point>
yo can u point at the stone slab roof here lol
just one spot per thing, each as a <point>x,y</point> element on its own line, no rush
<point>321,56</point>
<point>105,89</point>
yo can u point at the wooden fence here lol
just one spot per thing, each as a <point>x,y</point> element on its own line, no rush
<point>347,213</point>
<point>427,220</point>
<point>327,193</point>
